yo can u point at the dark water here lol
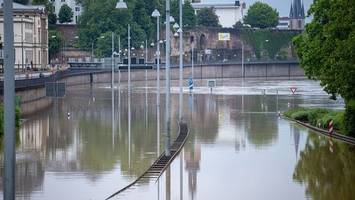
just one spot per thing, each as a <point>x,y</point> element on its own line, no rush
<point>238,149</point>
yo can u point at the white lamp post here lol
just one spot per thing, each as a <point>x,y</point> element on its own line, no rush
<point>156,14</point>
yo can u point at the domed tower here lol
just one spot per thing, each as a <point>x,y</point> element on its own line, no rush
<point>297,15</point>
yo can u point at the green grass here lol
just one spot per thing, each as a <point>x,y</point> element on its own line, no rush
<point>318,117</point>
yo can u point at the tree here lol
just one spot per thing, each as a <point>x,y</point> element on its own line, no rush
<point>326,50</point>
<point>101,18</point>
<point>261,15</point>
<point>188,18</point>
<point>55,41</point>
<point>65,14</point>
<point>207,17</point>
<point>24,2</point>
<point>238,25</point>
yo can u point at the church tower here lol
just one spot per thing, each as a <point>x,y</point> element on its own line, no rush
<point>297,15</point>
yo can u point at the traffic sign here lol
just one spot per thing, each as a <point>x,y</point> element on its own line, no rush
<point>293,90</point>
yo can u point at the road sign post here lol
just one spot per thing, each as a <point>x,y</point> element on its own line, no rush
<point>331,127</point>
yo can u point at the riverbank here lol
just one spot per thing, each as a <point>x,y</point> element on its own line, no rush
<point>320,118</point>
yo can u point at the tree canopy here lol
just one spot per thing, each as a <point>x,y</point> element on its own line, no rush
<point>261,15</point>
<point>208,18</point>
<point>100,18</point>
<point>65,14</point>
<point>55,40</point>
<point>327,49</point>
<point>188,18</point>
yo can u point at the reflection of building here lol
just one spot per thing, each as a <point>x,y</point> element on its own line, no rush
<point>31,35</point>
<point>297,15</point>
<point>192,164</point>
<point>228,13</point>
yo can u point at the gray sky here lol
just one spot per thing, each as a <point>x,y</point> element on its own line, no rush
<point>283,6</point>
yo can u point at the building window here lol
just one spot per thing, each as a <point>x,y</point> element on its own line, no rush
<point>62,0</point>
<point>77,9</point>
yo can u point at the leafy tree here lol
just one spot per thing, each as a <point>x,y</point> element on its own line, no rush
<point>65,14</point>
<point>55,40</point>
<point>24,2</point>
<point>238,25</point>
<point>40,2</point>
<point>207,17</point>
<point>101,18</point>
<point>327,47</point>
<point>261,15</point>
<point>52,17</point>
<point>188,18</point>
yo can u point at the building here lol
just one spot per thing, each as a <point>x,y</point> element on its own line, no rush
<point>297,15</point>
<point>30,35</point>
<point>228,13</point>
<point>76,8</point>
<point>284,23</point>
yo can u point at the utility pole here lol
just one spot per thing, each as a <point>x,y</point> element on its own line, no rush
<point>9,103</point>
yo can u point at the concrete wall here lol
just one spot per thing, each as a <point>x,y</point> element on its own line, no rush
<point>34,99</point>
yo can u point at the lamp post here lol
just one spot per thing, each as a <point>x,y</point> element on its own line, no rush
<point>243,69</point>
<point>156,14</point>
<point>9,103</point>
<point>181,62</point>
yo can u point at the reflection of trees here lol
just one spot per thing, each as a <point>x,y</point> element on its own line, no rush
<point>205,118</point>
<point>262,129</point>
<point>326,175</point>
<point>29,175</point>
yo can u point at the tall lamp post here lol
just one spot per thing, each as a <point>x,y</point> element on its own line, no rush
<point>181,60</point>
<point>156,14</point>
<point>9,103</point>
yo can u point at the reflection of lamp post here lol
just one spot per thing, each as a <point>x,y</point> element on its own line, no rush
<point>167,78</point>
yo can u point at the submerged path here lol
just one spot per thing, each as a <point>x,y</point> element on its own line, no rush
<point>161,164</point>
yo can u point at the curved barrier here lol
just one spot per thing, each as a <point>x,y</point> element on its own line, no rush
<point>161,164</point>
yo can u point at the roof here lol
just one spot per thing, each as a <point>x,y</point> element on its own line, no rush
<point>20,7</point>
<point>297,10</point>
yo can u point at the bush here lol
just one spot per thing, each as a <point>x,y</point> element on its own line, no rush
<point>349,118</point>
<point>290,112</point>
<point>301,115</point>
<point>315,115</point>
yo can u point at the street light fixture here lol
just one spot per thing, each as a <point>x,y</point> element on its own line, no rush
<point>121,5</point>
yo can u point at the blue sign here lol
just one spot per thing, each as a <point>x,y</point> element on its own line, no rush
<point>191,83</point>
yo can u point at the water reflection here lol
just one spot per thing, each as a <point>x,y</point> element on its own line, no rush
<point>326,174</point>
<point>102,150</point>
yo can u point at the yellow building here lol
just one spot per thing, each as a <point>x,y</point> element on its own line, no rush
<point>30,35</point>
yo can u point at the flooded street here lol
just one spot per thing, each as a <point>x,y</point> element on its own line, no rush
<point>238,147</point>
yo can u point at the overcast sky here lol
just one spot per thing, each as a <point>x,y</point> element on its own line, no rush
<point>283,6</point>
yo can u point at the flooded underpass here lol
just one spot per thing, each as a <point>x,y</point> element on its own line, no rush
<point>238,146</point>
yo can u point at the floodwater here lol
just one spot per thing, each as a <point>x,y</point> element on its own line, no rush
<point>238,147</point>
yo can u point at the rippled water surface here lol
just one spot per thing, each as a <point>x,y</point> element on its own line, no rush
<point>238,147</point>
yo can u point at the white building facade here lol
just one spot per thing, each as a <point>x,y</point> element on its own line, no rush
<point>228,13</point>
<point>76,8</point>
<point>30,35</point>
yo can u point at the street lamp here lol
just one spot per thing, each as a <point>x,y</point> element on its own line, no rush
<point>156,14</point>
<point>121,5</point>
